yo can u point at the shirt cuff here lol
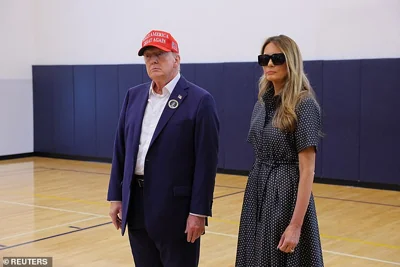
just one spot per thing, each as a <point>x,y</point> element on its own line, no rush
<point>198,215</point>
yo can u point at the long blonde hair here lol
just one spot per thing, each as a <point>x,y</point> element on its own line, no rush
<point>296,85</point>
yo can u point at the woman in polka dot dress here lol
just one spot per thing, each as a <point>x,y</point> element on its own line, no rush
<point>278,225</point>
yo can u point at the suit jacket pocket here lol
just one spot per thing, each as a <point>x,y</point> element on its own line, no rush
<point>182,191</point>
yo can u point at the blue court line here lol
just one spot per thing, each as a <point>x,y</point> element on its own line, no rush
<point>75,227</point>
<point>2,246</point>
<point>53,236</point>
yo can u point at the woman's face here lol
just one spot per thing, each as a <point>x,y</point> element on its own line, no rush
<point>276,69</point>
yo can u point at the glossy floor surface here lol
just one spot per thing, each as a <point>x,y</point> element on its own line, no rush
<point>57,208</point>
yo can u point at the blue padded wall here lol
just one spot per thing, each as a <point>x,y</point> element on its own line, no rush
<point>189,71</point>
<point>314,70</point>
<point>314,73</point>
<point>85,111</point>
<point>258,72</point>
<point>43,109</point>
<point>341,123</point>
<point>208,76</point>
<point>76,110</point>
<point>63,111</point>
<point>380,121</point>
<point>107,109</point>
<point>128,76</point>
<point>145,76</point>
<point>238,102</point>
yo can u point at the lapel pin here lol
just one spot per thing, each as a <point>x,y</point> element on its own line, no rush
<point>179,96</point>
<point>173,103</point>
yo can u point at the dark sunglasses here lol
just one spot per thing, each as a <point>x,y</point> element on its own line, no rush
<point>277,59</point>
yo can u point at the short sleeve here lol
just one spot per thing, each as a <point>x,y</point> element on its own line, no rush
<point>308,128</point>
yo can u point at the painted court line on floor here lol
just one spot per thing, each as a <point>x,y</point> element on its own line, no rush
<point>359,241</point>
<point>5,174</point>
<point>227,195</point>
<point>330,237</point>
<point>215,233</point>
<point>219,220</point>
<point>56,209</point>
<point>53,236</point>
<point>82,171</point>
<point>217,185</point>
<point>359,257</point>
<point>48,228</point>
<point>358,201</point>
<point>210,232</point>
<point>326,251</point>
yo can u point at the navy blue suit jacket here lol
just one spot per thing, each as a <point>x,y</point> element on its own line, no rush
<point>180,165</point>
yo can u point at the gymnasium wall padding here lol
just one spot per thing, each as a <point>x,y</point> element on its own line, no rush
<point>209,77</point>
<point>128,76</point>
<point>238,101</point>
<point>107,109</point>
<point>380,121</point>
<point>341,100</point>
<point>189,71</point>
<point>85,111</point>
<point>145,77</point>
<point>63,109</point>
<point>43,132</point>
<point>313,70</point>
<point>76,110</point>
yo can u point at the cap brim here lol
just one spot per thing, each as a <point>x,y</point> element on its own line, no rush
<point>141,51</point>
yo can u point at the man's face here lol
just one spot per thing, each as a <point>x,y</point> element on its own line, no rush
<point>160,65</point>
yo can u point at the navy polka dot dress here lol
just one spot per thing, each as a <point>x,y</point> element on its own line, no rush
<point>271,190</point>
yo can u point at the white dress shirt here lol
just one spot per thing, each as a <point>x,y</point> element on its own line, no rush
<point>155,106</point>
<point>152,114</point>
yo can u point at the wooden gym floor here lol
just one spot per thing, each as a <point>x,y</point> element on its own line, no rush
<point>57,208</point>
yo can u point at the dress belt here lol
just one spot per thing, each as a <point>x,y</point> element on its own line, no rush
<point>271,164</point>
<point>275,162</point>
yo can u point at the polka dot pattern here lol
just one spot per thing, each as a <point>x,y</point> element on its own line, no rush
<point>271,190</point>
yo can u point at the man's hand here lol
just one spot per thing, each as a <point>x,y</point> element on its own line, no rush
<point>195,227</point>
<point>116,213</point>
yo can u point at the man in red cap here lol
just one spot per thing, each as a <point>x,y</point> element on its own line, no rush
<point>165,161</point>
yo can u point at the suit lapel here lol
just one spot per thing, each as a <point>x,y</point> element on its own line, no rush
<point>174,102</point>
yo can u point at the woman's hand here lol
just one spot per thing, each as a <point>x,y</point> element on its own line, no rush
<point>290,238</point>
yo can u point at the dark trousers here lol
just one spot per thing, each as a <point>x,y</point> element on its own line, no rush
<point>154,253</point>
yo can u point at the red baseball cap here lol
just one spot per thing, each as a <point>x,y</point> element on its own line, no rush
<point>160,39</point>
